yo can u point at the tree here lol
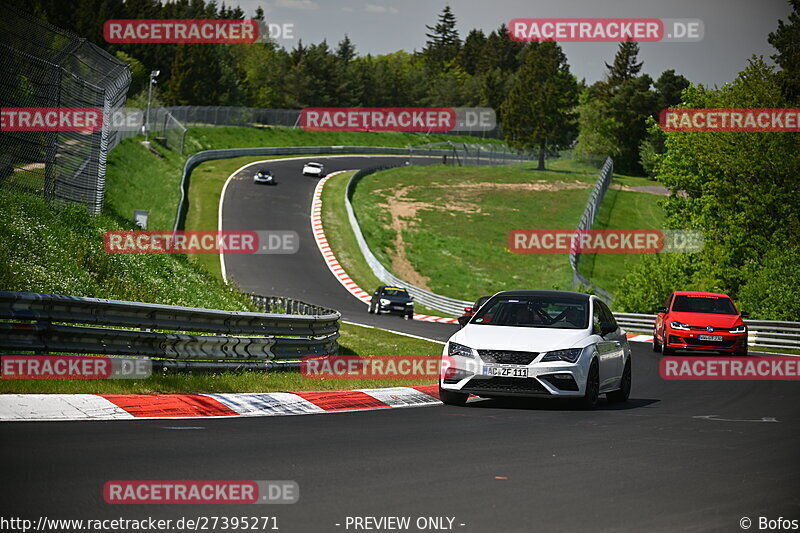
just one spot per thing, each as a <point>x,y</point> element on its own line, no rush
<point>500,52</point>
<point>740,190</point>
<point>346,50</point>
<point>785,40</point>
<point>625,66</point>
<point>538,112</point>
<point>470,55</point>
<point>669,87</point>
<point>617,120</point>
<point>597,129</point>
<point>443,42</point>
<point>630,106</point>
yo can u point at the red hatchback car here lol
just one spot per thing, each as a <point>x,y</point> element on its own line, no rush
<point>703,321</point>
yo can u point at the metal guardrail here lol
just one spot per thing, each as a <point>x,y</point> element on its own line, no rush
<point>586,222</point>
<point>761,333</point>
<point>451,306</point>
<point>55,323</point>
<point>210,155</point>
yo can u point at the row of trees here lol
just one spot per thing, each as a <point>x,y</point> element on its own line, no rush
<point>540,103</point>
<point>741,189</point>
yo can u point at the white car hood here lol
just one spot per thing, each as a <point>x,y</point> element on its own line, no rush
<point>487,337</point>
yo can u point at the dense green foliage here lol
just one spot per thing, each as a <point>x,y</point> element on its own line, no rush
<point>741,190</point>
<point>614,111</point>
<point>538,112</point>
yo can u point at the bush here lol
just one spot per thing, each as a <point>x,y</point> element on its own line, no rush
<point>771,290</point>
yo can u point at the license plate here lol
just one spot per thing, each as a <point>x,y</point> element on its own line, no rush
<point>712,338</point>
<point>506,371</point>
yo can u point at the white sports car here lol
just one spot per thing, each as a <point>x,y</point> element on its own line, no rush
<point>541,344</point>
<point>313,169</point>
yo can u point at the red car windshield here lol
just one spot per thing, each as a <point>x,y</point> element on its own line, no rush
<point>703,304</point>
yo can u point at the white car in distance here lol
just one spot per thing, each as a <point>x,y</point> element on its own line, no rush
<point>551,344</point>
<point>313,169</point>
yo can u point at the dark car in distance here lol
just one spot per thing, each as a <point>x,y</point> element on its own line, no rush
<point>392,300</point>
<point>264,176</point>
<point>470,311</point>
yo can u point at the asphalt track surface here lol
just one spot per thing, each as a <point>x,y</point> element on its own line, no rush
<point>651,465</point>
<point>695,456</point>
<point>304,275</point>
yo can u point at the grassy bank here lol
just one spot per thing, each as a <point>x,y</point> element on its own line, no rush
<point>60,250</point>
<point>621,210</point>
<point>446,228</point>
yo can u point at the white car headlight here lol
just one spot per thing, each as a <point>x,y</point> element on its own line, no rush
<point>384,301</point>
<point>739,329</point>
<point>569,355</point>
<point>678,325</point>
<point>453,348</point>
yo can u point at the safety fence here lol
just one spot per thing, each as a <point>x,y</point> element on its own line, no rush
<point>200,116</point>
<point>761,333</point>
<point>586,222</point>
<point>164,128</point>
<point>42,66</point>
<point>451,154</point>
<point>179,337</point>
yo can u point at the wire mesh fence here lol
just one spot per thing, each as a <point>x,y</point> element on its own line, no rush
<point>42,66</point>
<point>199,116</point>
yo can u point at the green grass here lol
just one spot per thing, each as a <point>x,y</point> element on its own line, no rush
<point>138,179</point>
<point>621,210</point>
<point>458,238</point>
<point>355,340</point>
<point>60,250</point>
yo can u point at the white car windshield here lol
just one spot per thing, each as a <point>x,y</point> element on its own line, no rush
<point>563,312</point>
<point>314,165</point>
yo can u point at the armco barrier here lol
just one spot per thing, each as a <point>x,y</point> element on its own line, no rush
<point>55,323</point>
<point>410,152</point>
<point>761,333</point>
<point>586,222</point>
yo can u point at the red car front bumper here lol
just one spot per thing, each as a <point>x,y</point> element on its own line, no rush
<point>678,339</point>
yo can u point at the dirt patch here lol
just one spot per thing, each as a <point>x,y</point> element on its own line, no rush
<point>649,189</point>
<point>403,212</point>
<point>456,197</point>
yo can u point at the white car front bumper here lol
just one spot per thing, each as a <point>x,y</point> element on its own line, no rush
<point>536,379</point>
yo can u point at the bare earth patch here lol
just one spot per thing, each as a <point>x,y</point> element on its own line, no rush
<point>649,189</point>
<point>456,197</point>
